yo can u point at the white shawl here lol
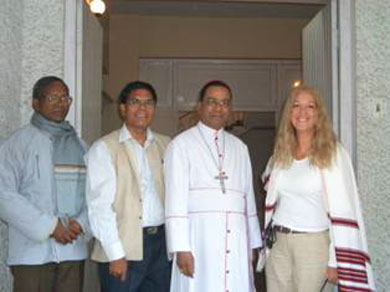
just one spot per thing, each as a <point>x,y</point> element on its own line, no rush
<point>346,227</point>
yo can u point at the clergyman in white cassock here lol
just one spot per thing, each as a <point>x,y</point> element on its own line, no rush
<point>210,206</point>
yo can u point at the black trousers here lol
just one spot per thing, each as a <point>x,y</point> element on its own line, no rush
<point>152,274</point>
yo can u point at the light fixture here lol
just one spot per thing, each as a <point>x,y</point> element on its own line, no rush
<point>297,83</point>
<point>97,6</point>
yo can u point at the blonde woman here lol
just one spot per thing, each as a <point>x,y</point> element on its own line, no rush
<point>313,205</point>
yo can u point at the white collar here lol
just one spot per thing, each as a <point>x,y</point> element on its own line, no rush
<point>209,132</point>
<point>124,134</point>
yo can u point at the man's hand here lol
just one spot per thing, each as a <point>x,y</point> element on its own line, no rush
<point>332,275</point>
<point>62,234</point>
<point>74,226</point>
<point>118,269</point>
<point>185,262</point>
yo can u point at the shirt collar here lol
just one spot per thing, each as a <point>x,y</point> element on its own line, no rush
<point>210,133</point>
<point>124,134</point>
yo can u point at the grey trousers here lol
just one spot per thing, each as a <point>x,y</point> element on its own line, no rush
<point>51,277</point>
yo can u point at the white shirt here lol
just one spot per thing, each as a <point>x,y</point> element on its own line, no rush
<point>300,197</point>
<point>100,196</point>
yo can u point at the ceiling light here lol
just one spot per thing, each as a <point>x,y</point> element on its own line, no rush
<point>297,83</point>
<point>97,6</point>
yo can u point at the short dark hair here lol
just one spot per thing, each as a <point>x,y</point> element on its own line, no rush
<point>212,83</point>
<point>130,87</point>
<point>41,85</point>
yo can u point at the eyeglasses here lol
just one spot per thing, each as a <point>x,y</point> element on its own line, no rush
<point>135,102</point>
<point>224,103</point>
<point>56,98</point>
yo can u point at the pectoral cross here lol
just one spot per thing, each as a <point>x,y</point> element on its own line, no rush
<point>221,176</point>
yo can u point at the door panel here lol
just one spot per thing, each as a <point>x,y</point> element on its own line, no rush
<point>316,56</point>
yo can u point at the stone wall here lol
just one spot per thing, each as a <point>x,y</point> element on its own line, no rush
<point>31,46</point>
<point>10,64</point>
<point>373,128</point>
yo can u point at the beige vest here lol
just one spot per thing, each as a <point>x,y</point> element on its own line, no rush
<point>128,200</point>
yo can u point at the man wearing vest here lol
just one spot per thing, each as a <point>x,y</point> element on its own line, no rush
<point>125,195</point>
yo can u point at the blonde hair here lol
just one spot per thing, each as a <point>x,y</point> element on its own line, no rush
<point>324,144</point>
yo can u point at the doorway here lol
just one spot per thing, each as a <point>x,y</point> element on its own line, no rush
<point>144,24</point>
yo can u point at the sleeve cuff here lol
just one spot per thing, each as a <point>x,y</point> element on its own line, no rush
<point>332,262</point>
<point>83,221</point>
<point>51,231</point>
<point>254,233</point>
<point>177,235</point>
<point>114,251</point>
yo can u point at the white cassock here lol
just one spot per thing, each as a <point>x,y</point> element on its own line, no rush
<point>219,229</point>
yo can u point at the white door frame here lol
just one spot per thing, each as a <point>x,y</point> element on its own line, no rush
<point>346,76</point>
<point>72,59</point>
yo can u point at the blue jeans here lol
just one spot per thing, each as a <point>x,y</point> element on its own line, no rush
<point>152,274</point>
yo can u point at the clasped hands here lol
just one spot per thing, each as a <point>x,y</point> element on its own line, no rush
<point>66,234</point>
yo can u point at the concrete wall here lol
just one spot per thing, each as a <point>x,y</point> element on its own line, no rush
<point>30,47</point>
<point>10,79</point>
<point>132,37</point>
<point>373,128</point>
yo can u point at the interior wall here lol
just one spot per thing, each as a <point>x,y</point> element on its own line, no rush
<point>373,131</point>
<point>220,37</point>
<point>259,137</point>
<point>133,36</point>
